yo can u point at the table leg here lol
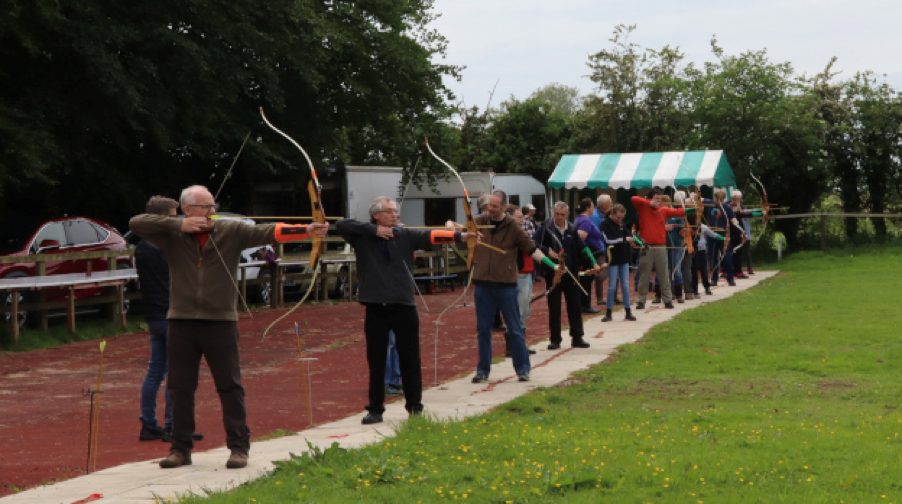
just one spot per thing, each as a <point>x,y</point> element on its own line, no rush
<point>70,311</point>
<point>120,304</point>
<point>15,316</point>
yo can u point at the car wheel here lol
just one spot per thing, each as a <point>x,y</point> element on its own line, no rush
<point>263,291</point>
<point>23,298</point>
<point>342,286</point>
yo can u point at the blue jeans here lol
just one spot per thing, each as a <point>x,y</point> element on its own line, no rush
<point>621,273</point>
<point>487,300</point>
<point>524,290</point>
<point>156,372</point>
<point>392,363</point>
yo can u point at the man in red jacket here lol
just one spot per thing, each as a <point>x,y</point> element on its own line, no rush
<point>652,218</point>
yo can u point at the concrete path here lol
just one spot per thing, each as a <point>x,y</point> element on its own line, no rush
<point>144,482</point>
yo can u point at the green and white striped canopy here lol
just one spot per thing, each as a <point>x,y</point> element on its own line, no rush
<point>638,170</point>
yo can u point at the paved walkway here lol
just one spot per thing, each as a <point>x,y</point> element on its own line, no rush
<point>144,482</point>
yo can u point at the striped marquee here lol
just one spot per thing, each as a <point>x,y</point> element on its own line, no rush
<point>643,170</point>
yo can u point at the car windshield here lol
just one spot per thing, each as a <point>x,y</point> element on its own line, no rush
<point>15,232</point>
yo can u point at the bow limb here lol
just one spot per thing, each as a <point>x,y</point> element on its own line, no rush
<point>316,249</point>
<point>472,239</point>
<point>314,190</point>
<point>472,230</point>
<point>293,142</point>
<point>765,206</point>
<point>555,283</point>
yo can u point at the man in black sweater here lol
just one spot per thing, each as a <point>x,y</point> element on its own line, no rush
<point>385,264</point>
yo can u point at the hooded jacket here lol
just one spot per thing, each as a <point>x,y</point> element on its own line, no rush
<point>492,268</point>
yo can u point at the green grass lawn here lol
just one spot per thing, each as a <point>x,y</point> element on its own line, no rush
<point>788,392</point>
<point>87,327</point>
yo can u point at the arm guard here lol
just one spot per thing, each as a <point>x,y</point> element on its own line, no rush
<point>291,232</point>
<point>591,256</point>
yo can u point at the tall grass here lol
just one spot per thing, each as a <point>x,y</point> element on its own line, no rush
<point>788,392</point>
<point>86,328</point>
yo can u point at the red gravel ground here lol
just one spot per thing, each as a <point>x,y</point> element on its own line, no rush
<point>44,418</point>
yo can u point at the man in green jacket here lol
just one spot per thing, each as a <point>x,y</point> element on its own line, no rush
<point>203,321</point>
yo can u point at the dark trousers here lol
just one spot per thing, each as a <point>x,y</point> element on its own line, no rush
<point>404,321</point>
<point>738,255</point>
<point>716,254</point>
<point>217,342</point>
<point>569,291</point>
<point>743,255</point>
<point>585,300</point>
<point>700,266</point>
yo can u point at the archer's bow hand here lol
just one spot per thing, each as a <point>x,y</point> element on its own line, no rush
<point>319,228</point>
<point>466,236</point>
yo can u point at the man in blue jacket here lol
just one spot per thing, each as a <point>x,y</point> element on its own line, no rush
<point>153,273</point>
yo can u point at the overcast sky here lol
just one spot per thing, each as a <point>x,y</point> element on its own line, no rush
<point>526,44</point>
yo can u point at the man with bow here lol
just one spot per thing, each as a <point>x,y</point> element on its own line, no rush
<point>203,256</point>
<point>384,253</point>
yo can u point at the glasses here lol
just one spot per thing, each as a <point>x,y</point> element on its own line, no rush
<point>390,211</point>
<point>207,208</point>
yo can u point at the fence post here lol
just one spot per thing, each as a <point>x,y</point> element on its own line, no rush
<point>823,231</point>
<point>41,297</point>
<point>779,249</point>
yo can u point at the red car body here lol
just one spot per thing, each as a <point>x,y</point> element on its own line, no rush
<point>65,235</point>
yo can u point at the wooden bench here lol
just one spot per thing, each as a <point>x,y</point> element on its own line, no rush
<point>71,282</point>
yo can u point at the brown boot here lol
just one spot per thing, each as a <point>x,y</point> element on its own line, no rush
<point>237,460</point>
<point>678,293</point>
<point>175,459</point>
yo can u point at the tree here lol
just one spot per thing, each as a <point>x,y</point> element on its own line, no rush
<point>641,105</point>
<point>876,114</point>
<point>144,97</point>
<point>563,99</point>
<point>767,123</point>
<point>526,137</point>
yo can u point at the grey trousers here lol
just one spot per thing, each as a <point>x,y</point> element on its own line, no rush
<point>654,257</point>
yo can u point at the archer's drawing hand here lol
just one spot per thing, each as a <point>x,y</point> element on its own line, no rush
<point>386,233</point>
<point>197,224</point>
